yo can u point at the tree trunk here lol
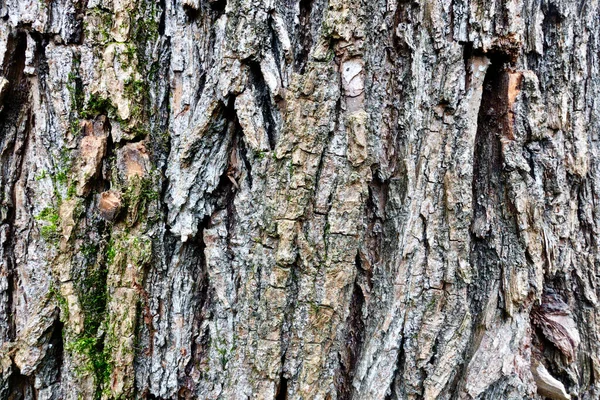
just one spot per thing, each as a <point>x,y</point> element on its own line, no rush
<point>299,199</point>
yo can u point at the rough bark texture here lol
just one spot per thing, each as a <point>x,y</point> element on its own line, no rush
<point>299,199</point>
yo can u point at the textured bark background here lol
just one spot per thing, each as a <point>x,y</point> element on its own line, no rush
<point>299,199</point>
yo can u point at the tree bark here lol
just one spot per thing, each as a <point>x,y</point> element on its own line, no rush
<point>299,199</point>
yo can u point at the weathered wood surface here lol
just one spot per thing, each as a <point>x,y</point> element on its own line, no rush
<point>304,199</point>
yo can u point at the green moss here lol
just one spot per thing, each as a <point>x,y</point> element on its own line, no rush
<point>145,30</point>
<point>130,52</point>
<point>61,175</point>
<point>75,87</point>
<point>71,191</point>
<point>89,251</point>
<point>98,24</point>
<point>41,175</point>
<point>50,216</point>
<point>313,308</point>
<point>141,251</point>
<point>97,357</point>
<point>92,293</point>
<point>55,294</point>
<point>224,351</point>
<point>136,89</point>
<point>93,297</point>
<point>137,197</point>
<point>138,92</point>
<point>75,126</point>
<point>111,252</point>
<point>50,230</point>
<point>98,105</point>
<point>144,35</point>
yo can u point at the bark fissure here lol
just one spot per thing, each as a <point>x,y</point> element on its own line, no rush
<point>11,152</point>
<point>487,186</point>
<point>355,330</point>
<point>304,35</point>
<point>263,100</point>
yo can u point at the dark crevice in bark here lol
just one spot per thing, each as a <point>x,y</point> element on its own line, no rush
<point>587,226</point>
<point>13,71</point>
<point>452,387</point>
<point>501,389</point>
<point>49,370</point>
<point>12,105</point>
<point>282,388</point>
<point>160,115</point>
<point>324,155</point>
<point>487,197</point>
<point>76,20</point>
<point>191,12</point>
<point>218,5</point>
<point>201,84</point>
<point>263,99</point>
<point>200,339</point>
<point>42,69</point>
<point>487,186</point>
<point>376,205</point>
<point>352,344</point>
<point>57,343</point>
<point>304,35</point>
<point>550,23</point>
<point>278,56</point>
<point>467,55</point>
<point>493,224</point>
<point>544,346</point>
<point>161,21</point>
<point>222,199</point>
<point>56,352</point>
<point>21,387</point>
<point>398,372</point>
<point>238,146</point>
<point>224,193</point>
<point>452,16</point>
<point>244,154</point>
<point>402,16</point>
<point>149,396</point>
<point>287,328</point>
<point>530,158</point>
<point>425,241</point>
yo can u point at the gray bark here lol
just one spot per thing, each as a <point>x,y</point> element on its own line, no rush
<point>282,199</point>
